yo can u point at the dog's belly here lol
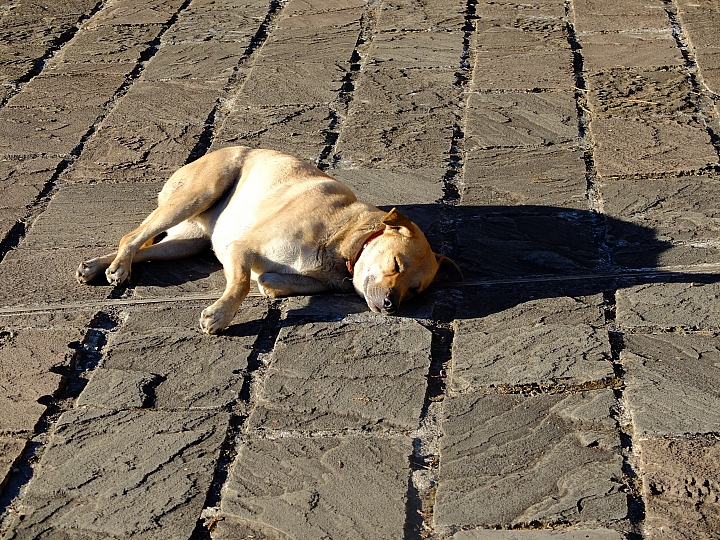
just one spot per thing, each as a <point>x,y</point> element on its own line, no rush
<point>283,223</point>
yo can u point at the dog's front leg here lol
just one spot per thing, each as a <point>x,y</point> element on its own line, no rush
<point>237,264</point>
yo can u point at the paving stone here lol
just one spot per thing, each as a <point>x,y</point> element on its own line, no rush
<point>709,60</point>
<point>608,16</point>
<point>117,389</point>
<point>403,140</point>
<point>123,474</point>
<point>299,130</point>
<point>194,61</point>
<point>29,365</point>
<point>681,488</point>
<point>547,176</point>
<point>510,460</point>
<point>672,383</point>
<point>371,375</point>
<point>628,146</point>
<point>530,70</point>
<point>699,20</point>
<point>416,50</point>
<point>135,151</point>
<point>395,91</point>
<point>107,45</point>
<point>319,14</point>
<point>601,52</point>
<point>636,92</point>
<point>23,180</point>
<point>521,34</point>
<point>127,12</point>
<point>383,187</point>
<point>10,451</point>
<point>555,241</point>
<point>113,210</point>
<point>218,21</point>
<point>166,102</point>
<point>421,15</point>
<point>46,320</point>
<point>40,277</point>
<point>677,219</point>
<point>52,113</point>
<point>579,534</point>
<point>190,370</point>
<point>300,66</point>
<point>494,120</point>
<point>520,346</point>
<point>318,488</point>
<point>503,10</point>
<point>670,305</point>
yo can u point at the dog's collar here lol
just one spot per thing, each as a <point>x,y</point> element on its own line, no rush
<point>351,264</point>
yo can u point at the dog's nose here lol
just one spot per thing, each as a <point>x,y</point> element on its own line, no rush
<point>388,303</point>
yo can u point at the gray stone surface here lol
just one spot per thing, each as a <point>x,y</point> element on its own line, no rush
<point>547,176</point>
<point>560,151</point>
<point>670,305</point>
<point>371,375</point>
<point>193,370</point>
<point>511,459</point>
<point>672,383</point>
<point>29,365</point>
<point>123,474</point>
<point>681,488</point>
<point>540,341</point>
<point>628,146</point>
<point>524,243</point>
<point>320,487</point>
<point>579,534</point>
<point>676,219</point>
<point>520,120</point>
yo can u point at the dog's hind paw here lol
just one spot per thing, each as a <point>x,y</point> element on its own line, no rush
<point>88,271</point>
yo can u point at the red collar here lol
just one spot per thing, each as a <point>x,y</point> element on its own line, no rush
<point>351,265</point>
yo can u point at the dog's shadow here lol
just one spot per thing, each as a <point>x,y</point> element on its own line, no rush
<point>508,255</point>
<point>512,254</point>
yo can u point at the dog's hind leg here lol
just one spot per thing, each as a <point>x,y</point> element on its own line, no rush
<point>190,191</point>
<point>237,265</point>
<point>183,240</point>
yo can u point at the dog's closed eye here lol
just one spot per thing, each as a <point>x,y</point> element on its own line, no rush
<point>398,265</point>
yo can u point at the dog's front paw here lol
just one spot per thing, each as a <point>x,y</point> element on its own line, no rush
<point>88,271</point>
<point>216,318</point>
<point>117,273</point>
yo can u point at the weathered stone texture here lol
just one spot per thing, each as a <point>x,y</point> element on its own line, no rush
<point>421,15</point>
<point>628,146</point>
<point>546,176</point>
<point>670,305</point>
<point>672,383</point>
<point>318,488</point>
<point>681,488</point>
<point>630,49</point>
<point>124,474</point>
<point>662,222</point>
<point>604,16</point>
<point>29,364</point>
<point>520,120</point>
<point>557,534</point>
<point>540,341</point>
<point>10,451</point>
<point>193,370</point>
<point>531,70</point>
<point>370,375</point>
<point>510,459</point>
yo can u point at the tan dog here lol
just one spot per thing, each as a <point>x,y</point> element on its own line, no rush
<point>283,222</point>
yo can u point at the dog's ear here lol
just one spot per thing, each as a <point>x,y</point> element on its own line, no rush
<point>395,219</point>
<point>448,270</point>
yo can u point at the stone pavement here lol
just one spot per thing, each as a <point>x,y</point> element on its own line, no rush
<point>564,152</point>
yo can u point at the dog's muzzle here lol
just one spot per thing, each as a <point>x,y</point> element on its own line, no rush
<point>382,300</point>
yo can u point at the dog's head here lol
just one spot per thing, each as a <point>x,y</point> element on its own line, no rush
<point>398,264</point>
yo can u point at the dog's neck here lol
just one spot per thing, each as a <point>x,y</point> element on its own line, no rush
<point>356,229</point>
